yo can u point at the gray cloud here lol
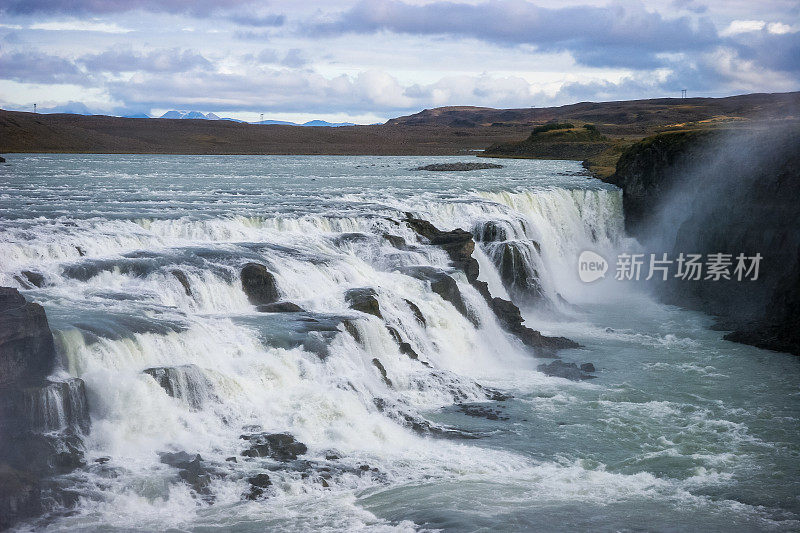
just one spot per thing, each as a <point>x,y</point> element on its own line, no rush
<point>773,51</point>
<point>294,58</point>
<point>249,19</point>
<point>601,36</point>
<point>121,60</point>
<point>78,7</point>
<point>36,67</point>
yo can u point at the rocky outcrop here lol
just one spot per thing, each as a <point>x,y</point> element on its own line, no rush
<point>183,279</point>
<point>185,382</point>
<point>20,496</point>
<point>280,307</point>
<point>724,192</point>
<point>457,167</point>
<point>30,279</point>
<point>279,446</point>
<point>258,484</point>
<point>459,245</point>
<point>27,352</point>
<point>648,171</point>
<point>416,311</point>
<point>192,470</point>
<point>376,362</point>
<point>364,299</point>
<point>445,286</point>
<point>518,278</point>
<point>510,317</point>
<point>569,371</point>
<point>41,421</point>
<point>259,284</point>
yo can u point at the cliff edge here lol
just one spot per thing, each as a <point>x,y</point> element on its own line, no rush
<point>729,192</point>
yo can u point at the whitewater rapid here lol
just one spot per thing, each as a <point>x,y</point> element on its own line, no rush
<point>109,233</point>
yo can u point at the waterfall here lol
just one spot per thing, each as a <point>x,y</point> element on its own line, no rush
<point>151,315</point>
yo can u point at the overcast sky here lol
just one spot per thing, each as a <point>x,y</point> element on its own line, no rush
<point>370,60</point>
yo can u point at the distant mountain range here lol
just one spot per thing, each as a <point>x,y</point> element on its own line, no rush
<point>197,115</point>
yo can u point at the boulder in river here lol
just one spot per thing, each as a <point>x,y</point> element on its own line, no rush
<point>258,483</point>
<point>279,446</point>
<point>570,371</point>
<point>364,299</point>
<point>191,469</point>
<point>259,284</point>
<point>458,167</point>
<point>185,382</point>
<point>280,307</point>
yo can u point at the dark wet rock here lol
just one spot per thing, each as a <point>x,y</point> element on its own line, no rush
<point>49,406</point>
<point>743,185</point>
<point>81,251</point>
<point>279,446</point>
<point>232,459</point>
<point>280,307</point>
<point>560,369</point>
<point>492,231</point>
<point>419,424</point>
<point>43,454</point>
<point>382,370</point>
<point>481,411</point>
<point>180,275</point>
<point>20,496</point>
<point>457,167</point>
<point>260,480</point>
<point>495,395</point>
<point>102,460</point>
<point>350,327</point>
<point>406,349</point>
<point>365,300</point>
<point>396,241</point>
<point>259,284</point>
<point>588,367</point>
<point>258,483</point>
<point>41,422</point>
<point>510,317</point>
<point>27,351</point>
<point>34,278</point>
<point>417,312</point>
<point>394,334</point>
<point>191,469</point>
<point>2,159</point>
<point>457,243</point>
<point>184,382</point>
<point>513,267</point>
<point>444,285</point>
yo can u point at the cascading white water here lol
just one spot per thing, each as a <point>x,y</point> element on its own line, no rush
<point>148,309</point>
